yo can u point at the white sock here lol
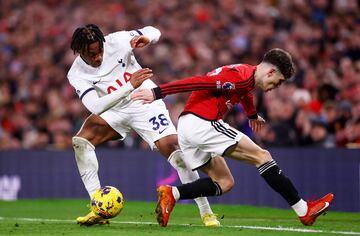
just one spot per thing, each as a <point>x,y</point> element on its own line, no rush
<point>300,208</point>
<point>186,175</point>
<point>203,205</point>
<point>87,164</point>
<point>175,193</point>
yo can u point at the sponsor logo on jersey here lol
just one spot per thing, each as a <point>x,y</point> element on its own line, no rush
<point>127,77</point>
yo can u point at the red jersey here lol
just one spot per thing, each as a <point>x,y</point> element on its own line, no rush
<point>212,93</point>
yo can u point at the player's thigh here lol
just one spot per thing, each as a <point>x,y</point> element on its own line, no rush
<point>248,151</point>
<point>118,119</point>
<point>96,130</point>
<point>153,124</point>
<point>167,145</point>
<point>193,157</point>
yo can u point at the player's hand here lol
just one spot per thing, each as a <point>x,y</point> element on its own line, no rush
<point>139,41</point>
<point>146,95</point>
<point>138,77</point>
<point>257,124</point>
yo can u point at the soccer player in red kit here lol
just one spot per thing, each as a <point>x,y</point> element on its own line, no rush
<point>205,138</point>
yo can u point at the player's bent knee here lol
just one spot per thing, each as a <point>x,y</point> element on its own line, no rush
<point>264,156</point>
<point>80,143</point>
<point>167,145</point>
<point>226,184</point>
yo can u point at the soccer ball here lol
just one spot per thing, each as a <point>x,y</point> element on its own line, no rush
<point>107,202</point>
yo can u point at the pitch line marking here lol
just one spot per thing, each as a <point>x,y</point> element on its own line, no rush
<point>193,225</point>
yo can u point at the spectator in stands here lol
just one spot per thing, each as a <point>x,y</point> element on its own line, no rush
<point>38,109</point>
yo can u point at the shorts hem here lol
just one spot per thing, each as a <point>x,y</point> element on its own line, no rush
<point>196,168</point>
<point>170,132</point>
<point>232,145</point>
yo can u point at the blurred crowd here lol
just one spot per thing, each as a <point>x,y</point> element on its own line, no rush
<point>319,107</point>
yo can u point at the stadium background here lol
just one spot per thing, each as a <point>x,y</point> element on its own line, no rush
<point>319,108</point>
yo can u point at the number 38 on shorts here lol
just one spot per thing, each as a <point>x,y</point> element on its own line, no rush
<point>159,122</point>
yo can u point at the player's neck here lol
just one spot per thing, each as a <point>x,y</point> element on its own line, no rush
<point>260,73</point>
<point>84,60</point>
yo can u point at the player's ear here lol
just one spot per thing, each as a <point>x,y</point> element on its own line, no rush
<point>271,72</point>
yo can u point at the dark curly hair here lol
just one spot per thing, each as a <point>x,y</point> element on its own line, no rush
<point>282,60</point>
<point>85,35</point>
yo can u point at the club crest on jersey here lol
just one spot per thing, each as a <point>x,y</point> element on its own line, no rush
<point>121,62</point>
<point>228,86</point>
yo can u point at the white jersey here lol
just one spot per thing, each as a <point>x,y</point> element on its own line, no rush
<point>105,90</point>
<point>115,71</point>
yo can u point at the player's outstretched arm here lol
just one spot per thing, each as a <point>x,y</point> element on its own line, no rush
<point>189,84</point>
<point>192,84</point>
<point>98,105</point>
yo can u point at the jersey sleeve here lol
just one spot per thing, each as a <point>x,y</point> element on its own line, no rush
<point>223,81</point>
<point>151,32</point>
<point>91,99</point>
<point>247,102</point>
<point>82,87</point>
<point>122,38</point>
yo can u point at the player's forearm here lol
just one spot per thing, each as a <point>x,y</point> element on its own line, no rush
<point>98,105</point>
<point>152,33</point>
<point>248,104</point>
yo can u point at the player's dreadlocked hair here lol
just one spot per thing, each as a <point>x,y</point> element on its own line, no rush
<point>85,35</point>
<point>282,60</point>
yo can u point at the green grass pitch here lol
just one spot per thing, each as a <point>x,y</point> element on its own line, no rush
<point>57,217</point>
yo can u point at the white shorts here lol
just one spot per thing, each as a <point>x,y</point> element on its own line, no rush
<point>151,121</point>
<point>200,139</point>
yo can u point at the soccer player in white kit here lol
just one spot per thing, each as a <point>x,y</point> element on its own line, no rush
<point>104,75</point>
